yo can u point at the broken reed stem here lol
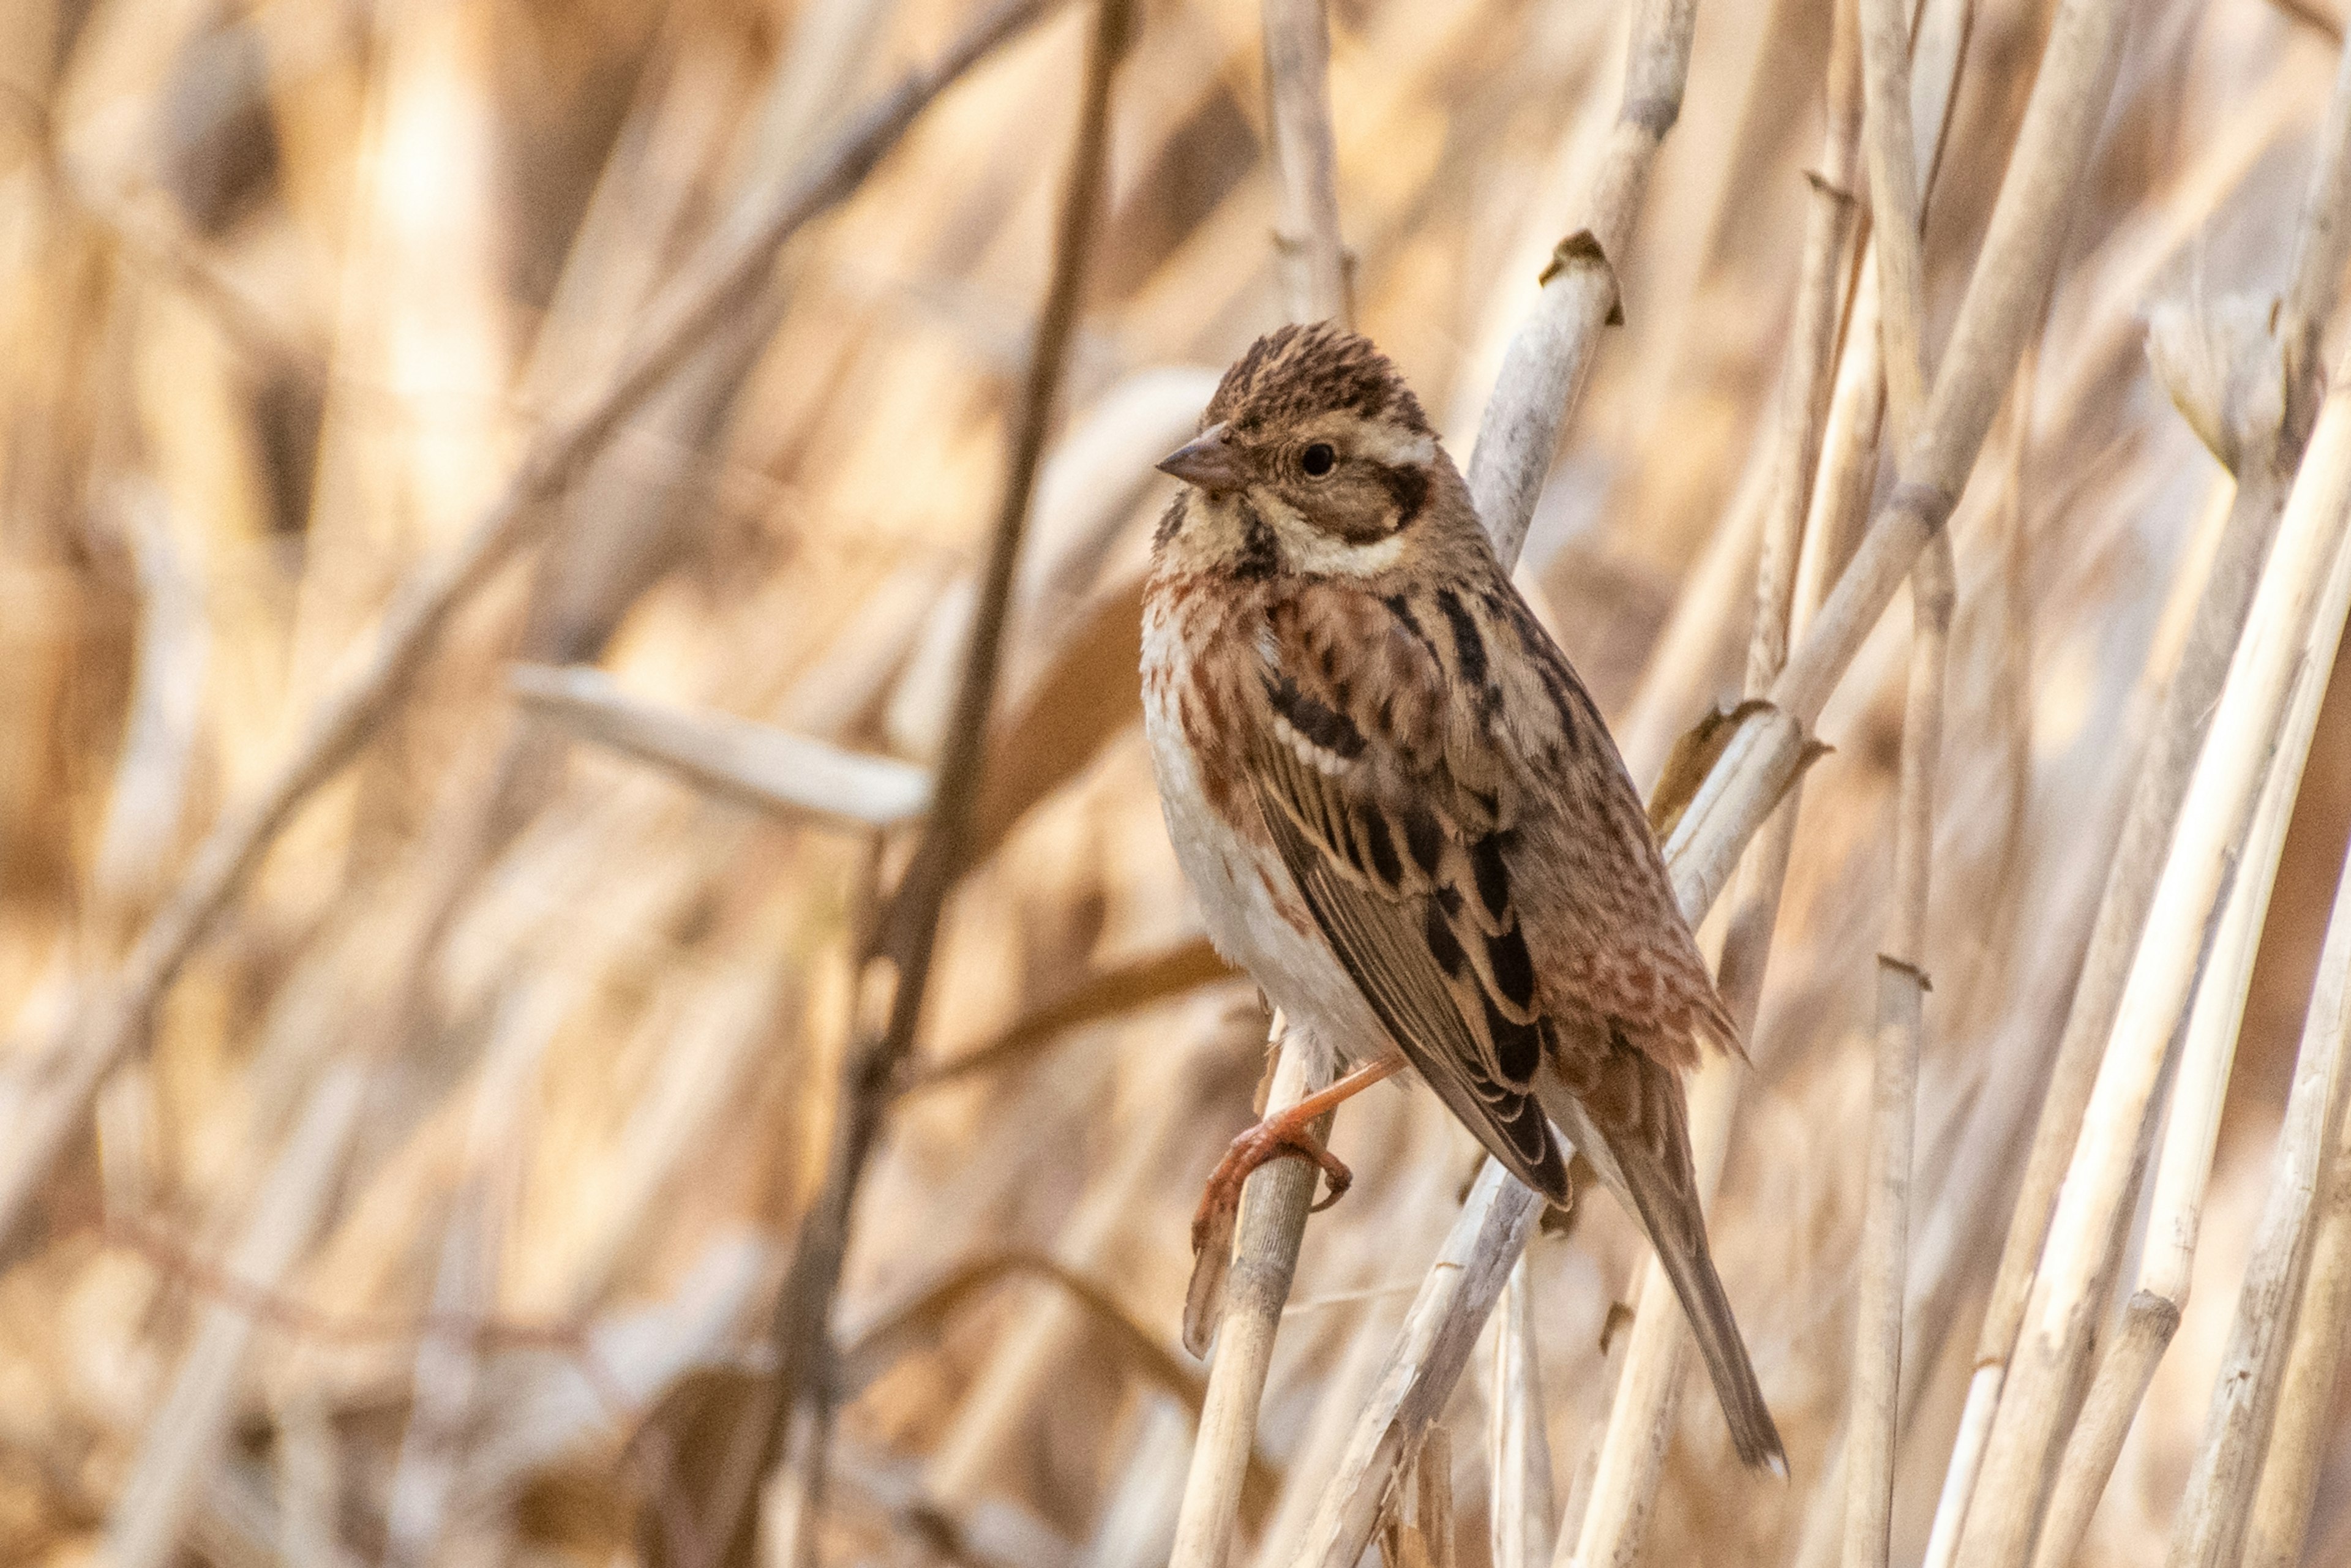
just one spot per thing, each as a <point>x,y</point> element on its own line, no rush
<point>1306,160</point>
<point>2296,617</point>
<point>1246,1308</point>
<point>2188,706</point>
<point>1549,356</point>
<point>795,1412</point>
<point>1263,1261</point>
<point>1518,1516</point>
<point>1873,1426</point>
<point>2192,1129</point>
<point>2212,1518</point>
<point>708,294</point>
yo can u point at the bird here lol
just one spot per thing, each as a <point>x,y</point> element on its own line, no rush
<point>1402,813</point>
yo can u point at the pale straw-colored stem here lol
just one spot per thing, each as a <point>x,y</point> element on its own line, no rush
<point>1305,160</point>
<point>2211,1529</point>
<point>1271,1223</point>
<point>708,294</point>
<point>1894,205</point>
<point>2299,1437</point>
<point>1518,1516</point>
<point>1872,1428</point>
<point>2151,1315</point>
<point>1431,1349</point>
<point>1265,1236</point>
<point>1873,1422</point>
<point>1549,356</point>
<point>2296,616</point>
<point>2178,737</point>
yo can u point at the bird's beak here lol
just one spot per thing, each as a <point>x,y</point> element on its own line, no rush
<point>1206,461</point>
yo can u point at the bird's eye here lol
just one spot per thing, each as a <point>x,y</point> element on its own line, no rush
<point>1319,459</point>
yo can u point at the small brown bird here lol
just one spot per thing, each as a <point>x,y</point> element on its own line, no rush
<point>1402,813</point>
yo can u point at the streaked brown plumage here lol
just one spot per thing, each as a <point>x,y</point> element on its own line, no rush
<point>1402,812</point>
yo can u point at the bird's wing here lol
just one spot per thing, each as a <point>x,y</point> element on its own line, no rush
<point>1593,893</point>
<point>1401,865</point>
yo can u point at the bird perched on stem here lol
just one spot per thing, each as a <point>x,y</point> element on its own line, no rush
<point>1401,811</point>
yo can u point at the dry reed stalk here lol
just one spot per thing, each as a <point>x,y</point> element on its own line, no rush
<point>2264,459</point>
<point>1997,313</point>
<point>1519,1510</point>
<point>756,763</point>
<point>1872,1428</point>
<point>1549,356</point>
<point>2152,1311</point>
<point>791,1422</point>
<point>2214,1513</point>
<point>702,300</point>
<point>1430,1350</point>
<point>2151,1314</point>
<point>1873,1420</point>
<point>1239,1291</point>
<point>2279,1519</point>
<point>1313,262</point>
<point>187,1434</point>
<point>2296,615</point>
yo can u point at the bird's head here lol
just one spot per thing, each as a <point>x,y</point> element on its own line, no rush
<point>1314,457</point>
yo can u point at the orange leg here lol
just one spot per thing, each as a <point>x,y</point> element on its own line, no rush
<point>1286,1131</point>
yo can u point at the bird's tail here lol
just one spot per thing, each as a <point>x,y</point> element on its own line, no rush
<point>1647,1164</point>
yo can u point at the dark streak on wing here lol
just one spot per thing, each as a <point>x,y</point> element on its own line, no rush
<point>1411,967</point>
<point>1325,727</point>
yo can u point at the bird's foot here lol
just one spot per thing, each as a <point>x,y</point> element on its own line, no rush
<point>1285,1134</point>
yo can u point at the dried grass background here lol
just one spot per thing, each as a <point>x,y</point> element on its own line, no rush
<point>438,1211</point>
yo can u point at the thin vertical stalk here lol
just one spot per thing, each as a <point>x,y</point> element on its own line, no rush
<point>1873,1425</point>
<point>1519,1455</point>
<point>1874,1419</point>
<point>794,1416</point>
<point>1305,160</point>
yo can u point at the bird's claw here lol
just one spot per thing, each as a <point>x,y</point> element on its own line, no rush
<point>1278,1136</point>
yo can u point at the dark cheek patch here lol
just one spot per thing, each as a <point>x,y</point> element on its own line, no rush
<point>1408,490</point>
